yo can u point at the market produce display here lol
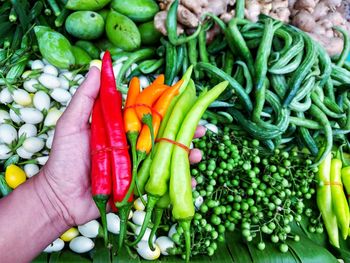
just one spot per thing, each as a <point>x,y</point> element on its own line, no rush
<point>220,133</point>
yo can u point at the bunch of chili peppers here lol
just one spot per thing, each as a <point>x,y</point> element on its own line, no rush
<point>111,165</point>
<point>331,198</point>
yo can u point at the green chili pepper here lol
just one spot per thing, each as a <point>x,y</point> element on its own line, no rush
<point>81,56</point>
<point>345,52</point>
<point>170,62</point>
<point>239,9</point>
<point>89,47</point>
<point>340,205</point>
<point>324,200</point>
<point>345,176</point>
<point>54,47</point>
<point>180,188</point>
<point>171,26</point>
<point>157,184</point>
<point>91,5</point>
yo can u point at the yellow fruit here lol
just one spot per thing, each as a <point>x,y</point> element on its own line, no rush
<point>70,234</point>
<point>14,176</point>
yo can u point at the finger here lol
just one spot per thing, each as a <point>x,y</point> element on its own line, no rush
<point>79,109</point>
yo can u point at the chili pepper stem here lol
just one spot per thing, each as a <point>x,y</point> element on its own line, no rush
<point>132,137</point>
<point>185,224</point>
<point>151,202</point>
<point>101,202</point>
<point>158,217</point>
<point>123,214</point>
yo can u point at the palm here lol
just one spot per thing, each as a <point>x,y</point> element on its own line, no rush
<point>68,168</point>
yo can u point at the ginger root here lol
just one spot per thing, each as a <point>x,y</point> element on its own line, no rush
<point>316,17</point>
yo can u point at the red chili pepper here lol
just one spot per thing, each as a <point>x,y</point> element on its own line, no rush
<point>111,100</point>
<point>101,180</point>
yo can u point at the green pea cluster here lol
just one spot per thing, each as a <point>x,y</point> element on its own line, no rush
<point>249,189</point>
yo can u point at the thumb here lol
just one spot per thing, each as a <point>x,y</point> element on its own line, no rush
<point>79,109</point>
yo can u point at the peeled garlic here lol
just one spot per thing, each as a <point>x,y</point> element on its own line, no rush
<point>33,144</point>
<point>21,97</point>
<point>81,244</point>
<point>23,153</point>
<point>37,64</point>
<point>5,96</point>
<point>5,152</point>
<point>60,95</point>
<point>49,81</point>
<point>31,115</point>
<point>29,85</point>
<point>31,169</point>
<point>29,130</point>
<point>4,116</point>
<point>8,133</point>
<point>49,69</point>
<point>164,243</point>
<point>113,223</point>
<point>41,100</point>
<point>90,229</point>
<point>55,246</point>
<point>138,217</point>
<point>145,251</point>
<point>52,117</point>
<point>42,160</point>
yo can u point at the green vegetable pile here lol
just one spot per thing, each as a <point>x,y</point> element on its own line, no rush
<point>247,188</point>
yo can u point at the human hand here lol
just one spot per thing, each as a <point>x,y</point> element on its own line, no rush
<point>66,175</point>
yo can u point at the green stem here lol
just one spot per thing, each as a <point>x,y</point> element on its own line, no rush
<point>185,224</point>
<point>123,214</point>
<point>101,202</point>
<point>132,137</point>
<point>158,217</point>
<point>151,202</point>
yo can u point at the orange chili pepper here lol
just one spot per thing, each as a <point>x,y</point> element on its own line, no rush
<point>144,143</point>
<point>144,102</point>
<point>132,123</point>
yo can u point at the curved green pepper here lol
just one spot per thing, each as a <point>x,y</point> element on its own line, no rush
<point>54,47</point>
<point>340,205</point>
<point>90,48</point>
<point>180,188</point>
<point>91,5</point>
<point>324,200</point>
<point>81,56</point>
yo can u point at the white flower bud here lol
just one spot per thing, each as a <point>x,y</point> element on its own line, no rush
<point>37,64</point>
<point>31,115</point>
<point>29,130</point>
<point>5,96</point>
<point>41,101</point>
<point>52,70</point>
<point>8,134</point>
<point>49,81</point>
<point>23,153</point>
<point>21,97</point>
<point>29,85</point>
<point>5,152</point>
<point>33,144</point>
<point>31,169</point>
<point>60,95</point>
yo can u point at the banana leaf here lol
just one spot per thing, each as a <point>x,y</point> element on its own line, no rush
<point>101,254</point>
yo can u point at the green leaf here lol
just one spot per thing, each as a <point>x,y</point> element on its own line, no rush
<point>270,254</point>
<point>237,248</point>
<point>101,253</point>
<point>69,257</point>
<point>54,257</point>
<point>41,258</point>
<point>222,254</point>
<point>309,252</point>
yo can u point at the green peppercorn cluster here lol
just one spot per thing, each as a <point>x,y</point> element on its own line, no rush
<point>246,188</point>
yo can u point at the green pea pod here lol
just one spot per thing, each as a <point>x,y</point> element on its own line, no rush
<point>136,10</point>
<point>340,205</point>
<point>122,31</point>
<point>4,188</point>
<point>324,200</point>
<point>180,188</point>
<point>89,47</point>
<point>91,5</point>
<point>81,56</point>
<point>54,47</point>
<point>85,25</point>
<point>157,184</point>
